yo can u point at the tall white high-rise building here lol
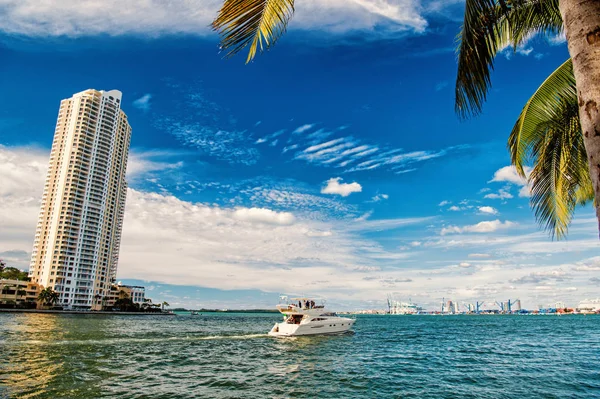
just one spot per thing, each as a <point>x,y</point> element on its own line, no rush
<point>76,247</point>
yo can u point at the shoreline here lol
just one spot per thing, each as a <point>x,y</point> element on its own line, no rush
<point>86,312</point>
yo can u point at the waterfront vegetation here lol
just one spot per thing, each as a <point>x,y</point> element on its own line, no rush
<point>558,131</point>
<point>12,273</point>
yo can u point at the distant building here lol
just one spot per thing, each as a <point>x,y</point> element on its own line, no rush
<point>18,291</point>
<point>76,247</point>
<point>119,291</point>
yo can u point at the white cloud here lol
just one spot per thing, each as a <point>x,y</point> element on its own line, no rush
<point>245,248</point>
<point>380,197</point>
<point>502,194</point>
<point>263,215</point>
<point>344,189</point>
<point>303,128</point>
<point>319,233</point>
<point>481,227</point>
<point>455,208</point>
<point>480,256</point>
<point>143,102</point>
<point>155,17</point>
<point>488,210</point>
<point>141,163</point>
<point>557,40</point>
<point>509,174</point>
<point>525,191</point>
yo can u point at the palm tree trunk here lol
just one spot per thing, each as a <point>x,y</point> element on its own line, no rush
<point>581,20</point>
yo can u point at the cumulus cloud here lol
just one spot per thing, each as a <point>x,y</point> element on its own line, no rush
<point>481,227</point>
<point>509,174</point>
<point>143,102</point>
<point>344,189</point>
<point>502,194</point>
<point>443,203</point>
<point>74,18</point>
<point>263,215</point>
<point>488,210</point>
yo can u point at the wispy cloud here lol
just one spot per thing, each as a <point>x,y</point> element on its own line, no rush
<point>356,155</point>
<point>441,86</point>
<point>303,128</point>
<point>270,137</point>
<point>380,197</point>
<point>201,123</point>
<point>143,102</point>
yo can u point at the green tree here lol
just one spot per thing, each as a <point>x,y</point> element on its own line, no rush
<point>48,297</point>
<point>2,266</point>
<point>165,303</point>
<point>12,273</point>
<point>545,133</point>
<point>19,292</point>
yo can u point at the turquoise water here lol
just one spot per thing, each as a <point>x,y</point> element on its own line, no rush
<point>230,356</point>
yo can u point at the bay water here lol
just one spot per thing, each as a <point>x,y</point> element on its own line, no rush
<point>229,355</point>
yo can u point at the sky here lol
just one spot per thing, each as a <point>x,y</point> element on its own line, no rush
<point>332,165</point>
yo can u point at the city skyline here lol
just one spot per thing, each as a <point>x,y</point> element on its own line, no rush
<point>76,247</point>
<point>333,164</point>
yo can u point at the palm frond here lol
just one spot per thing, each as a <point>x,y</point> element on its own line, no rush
<point>254,23</point>
<point>558,88</point>
<point>490,26</point>
<point>560,177</point>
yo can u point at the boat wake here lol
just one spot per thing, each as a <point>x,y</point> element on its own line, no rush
<point>117,341</point>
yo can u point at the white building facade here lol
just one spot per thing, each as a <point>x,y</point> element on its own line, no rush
<point>76,246</point>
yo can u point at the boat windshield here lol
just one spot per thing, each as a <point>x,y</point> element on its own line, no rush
<point>330,314</point>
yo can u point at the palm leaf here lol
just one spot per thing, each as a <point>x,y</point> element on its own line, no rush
<point>559,87</point>
<point>560,171</point>
<point>490,26</point>
<point>548,135</point>
<point>254,23</point>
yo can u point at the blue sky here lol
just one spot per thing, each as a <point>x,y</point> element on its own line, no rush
<point>333,164</point>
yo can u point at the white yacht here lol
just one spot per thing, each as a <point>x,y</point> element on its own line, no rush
<point>302,316</point>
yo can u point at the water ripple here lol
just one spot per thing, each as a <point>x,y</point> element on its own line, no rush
<point>230,356</point>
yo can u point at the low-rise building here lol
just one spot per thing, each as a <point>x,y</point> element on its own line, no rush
<point>119,291</point>
<point>17,291</point>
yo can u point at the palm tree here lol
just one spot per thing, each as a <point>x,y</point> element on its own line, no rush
<point>491,25</point>
<point>48,296</point>
<point>19,292</point>
<point>165,303</point>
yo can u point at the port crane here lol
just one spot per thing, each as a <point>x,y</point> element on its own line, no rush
<point>506,307</point>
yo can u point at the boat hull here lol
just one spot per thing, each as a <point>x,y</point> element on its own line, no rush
<point>330,326</point>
